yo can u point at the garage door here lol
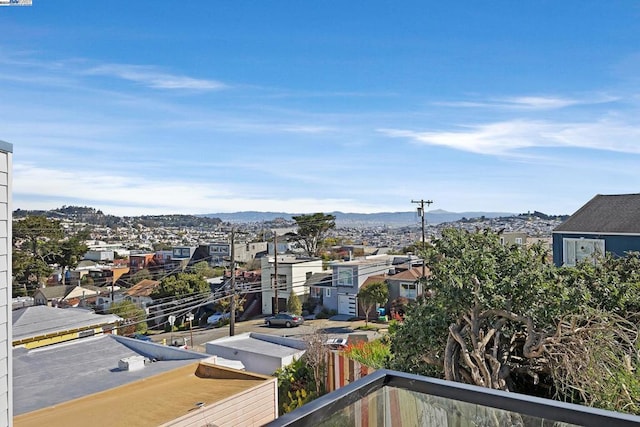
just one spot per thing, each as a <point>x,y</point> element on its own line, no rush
<point>347,304</point>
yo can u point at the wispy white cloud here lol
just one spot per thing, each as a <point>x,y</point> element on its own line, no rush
<point>530,102</point>
<point>41,188</point>
<point>510,137</point>
<point>152,77</point>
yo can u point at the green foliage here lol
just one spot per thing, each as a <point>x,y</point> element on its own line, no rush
<point>87,280</point>
<point>376,293</point>
<point>538,321</point>
<point>375,354</point>
<point>35,241</point>
<point>311,230</point>
<point>510,278</point>
<point>293,304</point>
<point>134,317</point>
<point>182,285</point>
<point>203,269</point>
<point>295,385</point>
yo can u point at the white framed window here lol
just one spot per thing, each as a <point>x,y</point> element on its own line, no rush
<point>327,292</point>
<point>409,290</point>
<point>518,240</point>
<point>315,292</point>
<point>345,277</point>
<point>576,250</point>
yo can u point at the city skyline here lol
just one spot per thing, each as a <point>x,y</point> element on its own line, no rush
<point>206,107</point>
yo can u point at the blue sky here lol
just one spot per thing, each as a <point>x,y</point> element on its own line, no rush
<point>359,106</point>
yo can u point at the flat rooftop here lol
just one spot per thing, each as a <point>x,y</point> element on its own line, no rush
<point>251,343</point>
<point>151,401</point>
<point>40,320</point>
<point>55,374</point>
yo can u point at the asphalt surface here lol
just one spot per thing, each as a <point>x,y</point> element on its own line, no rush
<point>332,328</point>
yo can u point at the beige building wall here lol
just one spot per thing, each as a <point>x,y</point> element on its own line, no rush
<point>6,367</point>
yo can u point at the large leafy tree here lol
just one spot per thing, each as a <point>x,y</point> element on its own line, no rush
<point>502,317</point>
<point>371,295</point>
<point>485,304</point>
<point>70,251</point>
<point>33,239</point>
<point>311,230</point>
<point>182,285</point>
<point>40,242</point>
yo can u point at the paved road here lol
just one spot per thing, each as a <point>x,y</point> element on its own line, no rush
<point>332,328</point>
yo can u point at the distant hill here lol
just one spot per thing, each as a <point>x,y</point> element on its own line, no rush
<point>95,217</point>
<point>353,219</point>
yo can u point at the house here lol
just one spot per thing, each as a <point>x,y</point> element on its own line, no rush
<point>141,261</point>
<point>6,209</point>
<point>508,238</point>
<point>606,223</point>
<point>259,353</point>
<point>293,272</point>
<point>140,293</point>
<point>406,284</point>
<point>100,255</point>
<point>346,280</point>
<point>319,284</point>
<point>63,295</point>
<point>140,383</point>
<point>214,253</point>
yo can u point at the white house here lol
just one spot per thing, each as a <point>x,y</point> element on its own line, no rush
<point>292,274</point>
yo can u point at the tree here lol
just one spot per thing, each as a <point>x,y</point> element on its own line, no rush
<point>316,358</point>
<point>135,317</point>
<point>311,230</point>
<point>203,269</point>
<point>371,295</point>
<point>503,317</point>
<point>182,285</point>
<point>482,295</point>
<point>70,252</point>
<point>40,242</point>
<point>34,241</point>
<point>294,305</point>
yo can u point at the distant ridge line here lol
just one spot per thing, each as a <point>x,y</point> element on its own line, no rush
<point>389,218</point>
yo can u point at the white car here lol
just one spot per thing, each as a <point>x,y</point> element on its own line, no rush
<point>336,343</point>
<point>215,318</point>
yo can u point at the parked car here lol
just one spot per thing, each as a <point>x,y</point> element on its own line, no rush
<point>284,319</point>
<point>215,318</point>
<point>336,343</point>
<point>141,337</point>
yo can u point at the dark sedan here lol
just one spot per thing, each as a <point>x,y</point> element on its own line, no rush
<point>284,319</point>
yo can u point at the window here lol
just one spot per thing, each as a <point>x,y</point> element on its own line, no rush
<point>518,240</point>
<point>315,292</point>
<point>282,281</point>
<point>345,277</point>
<point>576,250</point>
<point>409,290</point>
<point>327,292</point>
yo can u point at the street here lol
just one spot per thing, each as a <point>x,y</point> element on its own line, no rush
<point>332,328</point>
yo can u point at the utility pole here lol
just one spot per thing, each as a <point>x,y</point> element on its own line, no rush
<point>232,308</point>
<point>421,212</point>
<point>275,271</point>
